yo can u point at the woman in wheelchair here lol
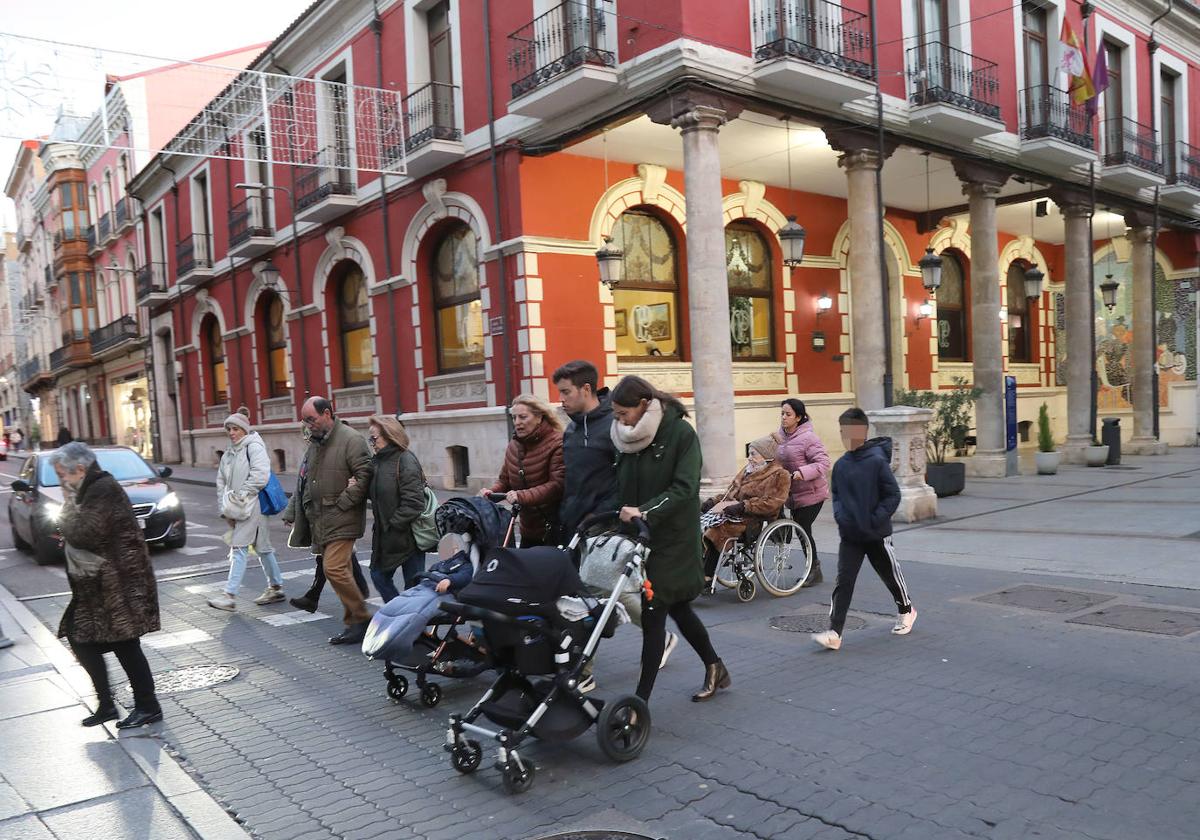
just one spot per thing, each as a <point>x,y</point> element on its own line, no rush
<point>755,496</point>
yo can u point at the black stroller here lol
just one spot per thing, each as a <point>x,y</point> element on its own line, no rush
<point>443,651</point>
<point>540,646</point>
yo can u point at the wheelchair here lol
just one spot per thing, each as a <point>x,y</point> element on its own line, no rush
<point>777,554</point>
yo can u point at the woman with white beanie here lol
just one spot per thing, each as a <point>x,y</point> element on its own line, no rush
<point>244,470</point>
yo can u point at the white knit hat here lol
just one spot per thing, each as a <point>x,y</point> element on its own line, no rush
<point>239,420</point>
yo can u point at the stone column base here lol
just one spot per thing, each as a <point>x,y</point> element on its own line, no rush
<point>988,465</point>
<point>1074,449</point>
<point>1144,446</point>
<point>916,504</point>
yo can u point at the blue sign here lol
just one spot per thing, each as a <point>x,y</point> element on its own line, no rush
<point>1010,413</point>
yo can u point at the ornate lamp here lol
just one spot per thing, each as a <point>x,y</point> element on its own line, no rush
<point>610,259</point>
<point>1108,291</point>
<point>931,271</point>
<point>791,240</point>
<point>1033,282</point>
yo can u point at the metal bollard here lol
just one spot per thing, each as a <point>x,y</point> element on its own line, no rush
<point>1110,436</point>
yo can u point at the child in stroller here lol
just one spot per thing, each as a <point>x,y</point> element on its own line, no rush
<point>411,632</point>
<point>543,630</point>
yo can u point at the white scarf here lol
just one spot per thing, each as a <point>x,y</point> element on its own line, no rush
<point>629,439</point>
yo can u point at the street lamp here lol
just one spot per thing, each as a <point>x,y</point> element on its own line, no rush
<point>610,259</point>
<point>931,271</point>
<point>1108,291</point>
<point>255,185</point>
<point>1033,282</point>
<point>791,240</point>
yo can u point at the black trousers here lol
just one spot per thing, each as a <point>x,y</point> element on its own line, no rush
<point>883,560</point>
<point>318,584</point>
<point>654,639</point>
<point>133,661</point>
<point>804,517</point>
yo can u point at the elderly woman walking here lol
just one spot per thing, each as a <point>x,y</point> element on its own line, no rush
<point>244,470</point>
<point>397,494</point>
<point>114,597</point>
<point>532,475</point>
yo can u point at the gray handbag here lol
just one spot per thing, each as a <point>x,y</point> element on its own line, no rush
<point>82,563</point>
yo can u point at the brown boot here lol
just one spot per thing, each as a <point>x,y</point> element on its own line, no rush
<point>715,677</point>
<point>814,577</point>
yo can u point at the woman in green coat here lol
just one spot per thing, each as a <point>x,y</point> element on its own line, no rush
<point>397,494</point>
<point>658,480</point>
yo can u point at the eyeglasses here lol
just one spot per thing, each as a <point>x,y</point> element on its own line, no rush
<point>310,421</point>
<point>372,438</point>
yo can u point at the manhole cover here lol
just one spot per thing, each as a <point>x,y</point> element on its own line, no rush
<point>1045,598</point>
<point>186,679</point>
<point>812,623</point>
<point>1143,619</point>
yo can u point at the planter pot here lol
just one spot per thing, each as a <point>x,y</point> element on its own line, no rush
<point>1096,456</point>
<point>946,479</point>
<point>1047,462</point>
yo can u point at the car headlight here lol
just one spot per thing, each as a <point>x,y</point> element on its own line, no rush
<point>52,511</point>
<point>167,502</point>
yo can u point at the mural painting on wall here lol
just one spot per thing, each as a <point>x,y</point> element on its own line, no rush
<point>1175,355</point>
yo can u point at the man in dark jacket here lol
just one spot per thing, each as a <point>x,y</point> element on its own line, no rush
<point>590,484</point>
<point>865,495</point>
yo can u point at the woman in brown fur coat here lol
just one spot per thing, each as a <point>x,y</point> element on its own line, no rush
<point>755,495</point>
<point>114,596</point>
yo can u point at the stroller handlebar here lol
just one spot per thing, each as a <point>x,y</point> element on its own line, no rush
<point>589,522</point>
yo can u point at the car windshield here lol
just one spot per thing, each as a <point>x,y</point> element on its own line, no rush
<point>124,464</point>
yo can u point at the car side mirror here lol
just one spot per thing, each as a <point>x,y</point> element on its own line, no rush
<point>164,472</point>
<point>21,486</point>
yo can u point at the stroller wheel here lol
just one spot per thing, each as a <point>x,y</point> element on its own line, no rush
<point>466,756</point>
<point>746,590</point>
<point>516,780</point>
<point>431,694</point>
<point>623,728</point>
<point>397,687</point>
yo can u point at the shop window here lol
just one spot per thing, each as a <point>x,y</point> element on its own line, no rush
<point>271,318</point>
<point>1020,309</point>
<point>214,345</point>
<point>952,296</point>
<point>355,327</point>
<point>646,303</point>
<point>748,269</point>
<point>458,312</point>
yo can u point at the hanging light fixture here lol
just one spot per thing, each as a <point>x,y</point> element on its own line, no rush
<point>1108,291</point>
<point>609,258</point>
<point>931,263</point>
<point>791,235</point>
<point>1033,275</point>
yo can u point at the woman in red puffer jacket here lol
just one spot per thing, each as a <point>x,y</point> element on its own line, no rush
<point>532,475</point>
<point>803,455</point>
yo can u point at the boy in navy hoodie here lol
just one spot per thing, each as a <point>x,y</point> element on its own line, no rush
<point>865,495</point>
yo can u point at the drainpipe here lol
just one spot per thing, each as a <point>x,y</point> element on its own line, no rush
<point>1154,310</point>
<point>377,28</point>
<point>888,372</point>
<point>1085,11</point>
<point>187,391</point>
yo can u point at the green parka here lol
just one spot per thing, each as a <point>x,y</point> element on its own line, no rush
<point>397,501</point>
<point>663,481</point>
<point>325,508</point>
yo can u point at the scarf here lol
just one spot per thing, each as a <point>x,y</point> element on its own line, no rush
<point>752,468</point>
<point>636,438</point>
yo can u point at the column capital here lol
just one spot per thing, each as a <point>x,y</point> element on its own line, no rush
<point>1073,204</point>
<point>702,117</point>
<point>676,107</point>
<point>980,177</point>
<point>859,149</point>
<point>1139,234</point>
<point>1139,219</point>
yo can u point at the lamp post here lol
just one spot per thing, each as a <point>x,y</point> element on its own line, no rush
<point>296,256</point>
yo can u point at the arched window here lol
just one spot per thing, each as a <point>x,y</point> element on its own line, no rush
<point>270,308</point>
<point>646,302</point>
<point>458,312</point>
<point>1020,314</point>
<point>748,269</point>
<point>355,328</point>
<point>215,347</point>
<point>953,342</point>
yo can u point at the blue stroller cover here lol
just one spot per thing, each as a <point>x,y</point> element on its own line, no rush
<point>485,521</point>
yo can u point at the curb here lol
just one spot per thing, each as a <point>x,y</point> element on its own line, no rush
<point>202,814</point>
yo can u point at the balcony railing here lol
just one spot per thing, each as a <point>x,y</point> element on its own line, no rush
<point>815,31</point>
<point>123,213</point>
<point>58,358</point>
<point>119,331</point>
<point>248,218</point>
<point>429,115</point>
<point>1048,111</point>
<point>1127,142</point>
<point>151,279</point>
<point>328,174</point>
<point>92,238</point>
<point>1182,165</point>
<point>105,228</point>
<point>49,278</point>
<point>31,369</point>
<point>940,73</point>
<point>193,252</point>
<point>570,35</point>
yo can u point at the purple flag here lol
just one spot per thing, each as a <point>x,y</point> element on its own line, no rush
<point>1099,79</point>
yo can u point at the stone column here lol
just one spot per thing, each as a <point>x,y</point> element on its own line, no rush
<point>981,185</point>
<point>1080,352</point>
<point>868,328</point>
<point>1141,260</point>
<point>906,427</point>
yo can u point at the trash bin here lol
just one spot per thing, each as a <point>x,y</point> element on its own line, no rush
<point>1110,436</point>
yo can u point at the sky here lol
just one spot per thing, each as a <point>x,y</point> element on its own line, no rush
<point>35,78</point>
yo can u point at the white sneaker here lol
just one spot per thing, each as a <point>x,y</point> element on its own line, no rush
<point>224,601</point>
<point>668,649</point>
<point>828,639</point>
<point>586,684</point>
<point>271,595</point>
<point>905,622</point>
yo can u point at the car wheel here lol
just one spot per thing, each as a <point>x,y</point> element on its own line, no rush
<point>46,551</point>
<point>176,542</point>
<point>17,541</point>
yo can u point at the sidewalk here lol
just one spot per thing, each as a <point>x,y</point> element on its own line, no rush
<point>60,780</point>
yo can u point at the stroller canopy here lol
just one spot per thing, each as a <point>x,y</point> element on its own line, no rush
<point>521,581</point>
<point>485,521</point>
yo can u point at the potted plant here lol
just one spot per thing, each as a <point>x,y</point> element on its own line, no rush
<point>1096,455</point>
<point>1047,456</point>
<point>951,418</point>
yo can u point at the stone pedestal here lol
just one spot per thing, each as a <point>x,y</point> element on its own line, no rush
<point>906,427</point>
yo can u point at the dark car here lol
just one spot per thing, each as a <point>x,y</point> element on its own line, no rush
<point>36,502</point>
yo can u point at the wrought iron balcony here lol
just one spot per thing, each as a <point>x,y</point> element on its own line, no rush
<point>193,253</point>
<point>248,219</point>
<point>58,358</point>
<point>123,214</point>
<point>105,228</point>
<point>814,31</point>
<point>120,331</point>
<point>1047,111</point>
<point>570,35</point>
<point>31,370</point>
<point>50,279</point>
<point>429,115</point>
<point>939,73</point>
<point>151,280</point>
<point>1129,143</point>
<point>1182,165</point>
<point>92,239</point>
<point>327,174</point>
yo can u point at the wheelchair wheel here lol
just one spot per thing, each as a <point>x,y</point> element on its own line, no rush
<point>783,557</point>
<point>724,573</point>
<point>746,590</point>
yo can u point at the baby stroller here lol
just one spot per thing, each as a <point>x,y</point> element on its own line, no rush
<point>441,650</point>
<point>541,638</point>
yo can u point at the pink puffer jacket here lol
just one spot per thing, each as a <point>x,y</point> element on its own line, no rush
<point>802,450</point>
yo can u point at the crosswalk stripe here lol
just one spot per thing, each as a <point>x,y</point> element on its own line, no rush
<point>284,619</point>
<point>163,639</point>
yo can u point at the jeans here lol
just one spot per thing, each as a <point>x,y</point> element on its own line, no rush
<point>410,568</point>
<point>133,660</point>
<point>237,568</point>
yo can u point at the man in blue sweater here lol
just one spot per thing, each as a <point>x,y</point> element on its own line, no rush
<point>865,495</point>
